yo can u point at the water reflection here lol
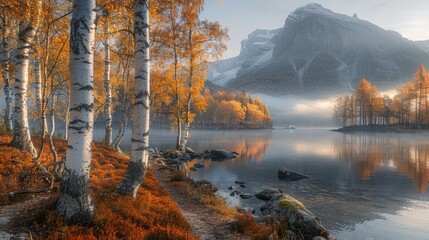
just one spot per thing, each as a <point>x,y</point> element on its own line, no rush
<point>369,153</point>
<point>251,147</point>
<point>361,186</point>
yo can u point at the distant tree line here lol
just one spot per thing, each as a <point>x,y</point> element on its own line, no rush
<point>227,109</point>
<point>366,105</point>
<point>224,109</point>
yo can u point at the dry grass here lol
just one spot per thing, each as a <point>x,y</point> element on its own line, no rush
<point>154,215</point>
<point>203,193</point>
<point>246,225</point>
<point>18,172</point>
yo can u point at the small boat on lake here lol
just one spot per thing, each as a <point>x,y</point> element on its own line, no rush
<point>289,127</point>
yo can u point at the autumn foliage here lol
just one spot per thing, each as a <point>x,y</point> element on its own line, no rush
<point>154,215</point>
<point>227,109</point>
<point>407,109</point>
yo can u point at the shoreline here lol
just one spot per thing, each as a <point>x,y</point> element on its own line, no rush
<point>277,204</point>
<point>380,129</point>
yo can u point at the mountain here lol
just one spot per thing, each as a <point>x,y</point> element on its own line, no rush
<point>318,50</point>
<point>423,45</point>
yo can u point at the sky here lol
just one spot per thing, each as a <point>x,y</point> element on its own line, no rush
<point>408,17</point>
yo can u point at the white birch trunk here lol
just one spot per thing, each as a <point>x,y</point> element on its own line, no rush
<point>51,134</point>
<point>39,104</point>
<point>140,127</point>
<point>122,128</point>
<point>26,34</point>
<point>75,202</point>
<point>52,115</point>
<point>179,130</point>
<point>187,124</point>
<point>189,100</point>
<point>5,59</point>
<point>66,130</point>
<point>178,114</point>
<point>107,87</point>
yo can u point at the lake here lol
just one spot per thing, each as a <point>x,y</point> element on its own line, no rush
<point>362,185</point>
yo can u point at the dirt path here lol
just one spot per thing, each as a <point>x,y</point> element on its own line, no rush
<point>11,214</point>
<point>206,223</point>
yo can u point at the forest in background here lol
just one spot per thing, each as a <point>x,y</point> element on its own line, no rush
<point>182,46</point>
<point>75,60</point>
<point>367,106</point>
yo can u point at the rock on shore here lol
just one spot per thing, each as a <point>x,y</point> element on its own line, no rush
<point>268,194</point>
<point>289,175</point>
<point>285,208</point>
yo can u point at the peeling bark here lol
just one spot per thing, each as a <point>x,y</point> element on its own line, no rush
<point>75,200</point>
<point>133,178</point>
<point>140,129</point>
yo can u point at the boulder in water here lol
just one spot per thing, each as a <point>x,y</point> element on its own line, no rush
<point>298,218</point>
<point>192,153</point>
<point>268,194</point>
<point>289,175</point>
<point>221,155</point>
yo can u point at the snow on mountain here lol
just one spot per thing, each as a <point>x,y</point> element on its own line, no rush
<point>319,50</point>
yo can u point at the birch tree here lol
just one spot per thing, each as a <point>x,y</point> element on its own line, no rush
<point>75,202</point>
<point>140,127</point>
<point>204,40</point>
<point>39,97</point>
<point>26,35</point>
<point>4,61</point>
<point>170,38</point>
<point>108,89</point>
<point>126,51</point>
<point>107,7</point>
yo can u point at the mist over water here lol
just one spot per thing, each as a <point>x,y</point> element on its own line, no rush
<point>307,111</point>
<point>300,111</point>
<point>362,186</point>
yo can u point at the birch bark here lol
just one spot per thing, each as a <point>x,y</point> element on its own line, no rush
<point>123,125</point>
<point>107,87</point>
<point>5,59</point>
<point>39,96</point>
<point>140,127</point>
<point>75,202</point>
<point>26,35</point>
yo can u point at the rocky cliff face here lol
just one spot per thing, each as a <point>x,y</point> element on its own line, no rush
<point>318,50</point>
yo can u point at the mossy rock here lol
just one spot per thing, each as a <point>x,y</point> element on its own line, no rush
<point>287,209</point>
<point>286,202</point>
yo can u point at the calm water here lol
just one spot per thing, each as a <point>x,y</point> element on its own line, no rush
<point>362,186</point>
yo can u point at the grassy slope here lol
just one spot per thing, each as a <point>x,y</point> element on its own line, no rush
<point>154,215</point>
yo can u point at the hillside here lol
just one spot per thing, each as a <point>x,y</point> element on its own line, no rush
<point>168,204</point>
